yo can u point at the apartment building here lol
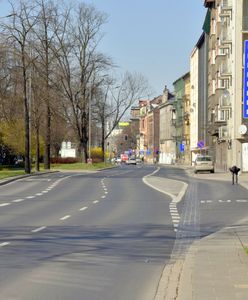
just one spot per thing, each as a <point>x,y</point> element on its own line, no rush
<point>167,146</point>
<point>199,141</point>
<point>181,107</point>
<point>227,127</point>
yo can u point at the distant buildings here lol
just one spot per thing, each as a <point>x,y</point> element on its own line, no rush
<point>205,112</point>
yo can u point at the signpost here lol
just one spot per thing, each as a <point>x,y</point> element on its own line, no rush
<point>245,99</point>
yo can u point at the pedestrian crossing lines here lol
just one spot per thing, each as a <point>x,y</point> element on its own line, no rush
<point>223,201</point>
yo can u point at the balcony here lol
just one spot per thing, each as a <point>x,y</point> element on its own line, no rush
<point>225,71</point>
<point>225,37</point>
<point>223,133</point>
<point>225,7</point>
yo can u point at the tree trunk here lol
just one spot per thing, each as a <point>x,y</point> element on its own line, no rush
<point>103,141</point>
<point>47,139</point>
<point>26,120</point>
<point>37,154</point>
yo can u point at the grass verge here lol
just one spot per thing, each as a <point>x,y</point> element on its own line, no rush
<point>81,166</point>
<point>246,249</point>
<point>4,173</point>
<point>10,172</point>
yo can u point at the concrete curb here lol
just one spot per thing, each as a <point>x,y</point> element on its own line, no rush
<point>15,178</point>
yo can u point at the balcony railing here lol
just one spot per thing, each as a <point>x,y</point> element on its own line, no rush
<point>226,4</point>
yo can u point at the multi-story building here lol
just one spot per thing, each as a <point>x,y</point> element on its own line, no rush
<point>227,30</point>
<point>199,142</point>
<point>152,153</point>
<point>167,146</point>
<point>142,138</point>
<point>181,121</point>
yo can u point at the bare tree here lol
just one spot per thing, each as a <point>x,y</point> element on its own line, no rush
<point>114,101</point>
<point>16,33</point>
<point>45,30</point>
<point>79,63</point>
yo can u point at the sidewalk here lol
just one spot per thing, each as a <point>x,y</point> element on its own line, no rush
<point>215,267</point>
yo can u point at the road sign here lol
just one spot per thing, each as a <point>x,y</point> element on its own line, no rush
<point>201,144</point>
<point>181,147</point>
<point>245,99</point>
<point>148,152</point>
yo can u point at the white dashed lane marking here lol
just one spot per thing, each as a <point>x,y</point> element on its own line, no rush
<point>83,208</point>
<point>103,197</point>
<point>224,201</point>
<point>18,200</point>
<point>65,217</point>
<point>4,244</point>
<point>96,201</point>
<point>4,204</point>
<point>38,229</point>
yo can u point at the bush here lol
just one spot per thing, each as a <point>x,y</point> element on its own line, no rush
<point>65,160</point>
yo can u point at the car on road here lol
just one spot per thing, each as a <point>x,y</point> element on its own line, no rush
<point>131,161</point>
<point>204,163</point>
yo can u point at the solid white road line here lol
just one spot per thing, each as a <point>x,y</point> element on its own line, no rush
<point>4,204</point>
<point>38,229</point>
<point>83,208</point>
<point>65,217</point>
<point>4,244</point>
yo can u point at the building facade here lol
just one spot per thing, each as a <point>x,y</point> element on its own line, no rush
<point>228,21</point>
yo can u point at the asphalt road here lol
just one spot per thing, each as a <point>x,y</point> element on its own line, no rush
<point>102,236</point>
<point>207,207</point>
<point>95,236</point>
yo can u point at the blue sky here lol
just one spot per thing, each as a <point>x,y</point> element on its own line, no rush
<point>154,38</point>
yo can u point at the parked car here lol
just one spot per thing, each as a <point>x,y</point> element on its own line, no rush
<point>204,163</point>
<point>139,161</point>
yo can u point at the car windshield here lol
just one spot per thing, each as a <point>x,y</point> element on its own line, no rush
<point>204,158</point>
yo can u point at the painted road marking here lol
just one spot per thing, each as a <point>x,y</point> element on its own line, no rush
<point>29,197</point>
<point>38,194</point>
<point>242,201</point>
<point>4,204</point>
<point>83,208</point>
<point>38,229</point>
<point>45,191</point>
<point>65,217</point>
<point>4,244</point>
<point>96,201</point>
<point>106,192</point>
<point>18,200</point>
<point>176,221</point>
<point>103,197</point>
